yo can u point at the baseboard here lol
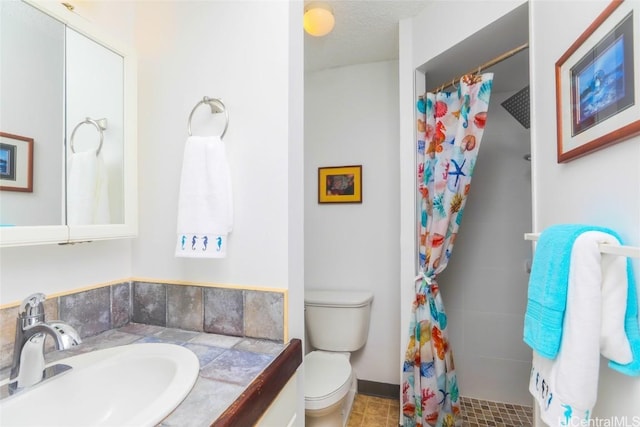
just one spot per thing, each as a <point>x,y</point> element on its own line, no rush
<point>372,388</point>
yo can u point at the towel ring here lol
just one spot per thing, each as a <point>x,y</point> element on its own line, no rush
<point>217,106</point>
<point>100,124</point>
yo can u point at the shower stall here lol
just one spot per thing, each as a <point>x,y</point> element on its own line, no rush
<point>484,287</point>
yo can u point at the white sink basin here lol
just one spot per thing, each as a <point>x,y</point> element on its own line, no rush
<point>131,385</point>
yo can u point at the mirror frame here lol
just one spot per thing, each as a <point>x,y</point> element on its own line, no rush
<point>64,233</point>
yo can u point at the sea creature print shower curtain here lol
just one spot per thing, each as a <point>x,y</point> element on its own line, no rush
<point>449,130</point>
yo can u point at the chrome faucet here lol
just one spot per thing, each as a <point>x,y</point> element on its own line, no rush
<point>28,351</point>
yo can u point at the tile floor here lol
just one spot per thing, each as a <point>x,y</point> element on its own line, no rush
<point>371,411</point>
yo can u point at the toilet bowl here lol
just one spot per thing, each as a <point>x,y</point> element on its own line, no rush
<point>337,324</point>
<point>328,381</point>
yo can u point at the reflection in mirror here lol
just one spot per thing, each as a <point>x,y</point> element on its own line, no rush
<point>32,107</point>
<point>95,132</point>
<point>60,76</point>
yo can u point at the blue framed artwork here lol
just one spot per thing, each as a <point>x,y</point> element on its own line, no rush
<point>16,163</point>
<point>7,161</point>
<point>597,88</point>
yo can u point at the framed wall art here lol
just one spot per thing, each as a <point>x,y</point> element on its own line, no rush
<point>16,163</point>
<point>598,84</point>
<point>340,184</point>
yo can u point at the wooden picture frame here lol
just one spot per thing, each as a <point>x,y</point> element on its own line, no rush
<point>340,184</point>
<point>597,84</point>
<point>16,163</point>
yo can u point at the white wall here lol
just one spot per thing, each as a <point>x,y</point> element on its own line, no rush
<point>602,188</point>
<point>484,287</point>
<point>295,321</point>
<point>236,51</point>
<point>351,118</point>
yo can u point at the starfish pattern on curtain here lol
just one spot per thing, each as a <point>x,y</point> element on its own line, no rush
<point>449,130</point>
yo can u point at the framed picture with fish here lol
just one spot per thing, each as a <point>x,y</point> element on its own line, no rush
<point>340,184</point>
<point>597,83</point>
<point>16,163</point>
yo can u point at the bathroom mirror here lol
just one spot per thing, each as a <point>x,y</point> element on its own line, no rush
<point>71,91</point>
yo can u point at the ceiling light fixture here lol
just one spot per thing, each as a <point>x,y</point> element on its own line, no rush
<point>318,20</point>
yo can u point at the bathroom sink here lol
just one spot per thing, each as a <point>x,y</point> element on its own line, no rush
<point>131,385</point>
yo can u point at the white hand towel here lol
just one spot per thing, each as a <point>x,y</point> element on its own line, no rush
<point>205,205</point>
<point>87,190</point>
<point>566,387</point>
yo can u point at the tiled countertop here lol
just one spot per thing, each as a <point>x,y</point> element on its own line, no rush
<point>227,366</point>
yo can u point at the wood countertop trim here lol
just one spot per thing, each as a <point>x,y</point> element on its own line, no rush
<point>249,407</point>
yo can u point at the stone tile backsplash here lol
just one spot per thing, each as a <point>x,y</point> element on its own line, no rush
<point>226,311</point>
<point>89,311</point>
<point>149,303</point>
<point>185,307</point>
<point>231,312</point>
<point>261,314</point>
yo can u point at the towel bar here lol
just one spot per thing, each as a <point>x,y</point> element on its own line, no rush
<point>217,106</point>
<point>605,248</point>
<point>100,124</point>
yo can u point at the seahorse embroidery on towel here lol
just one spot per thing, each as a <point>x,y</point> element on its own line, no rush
<point>205,241</point>
<point>193,242</point>
<point>549,401</point>
<point>567,414</point>
<point>183,241</point>
<point>219,243</point>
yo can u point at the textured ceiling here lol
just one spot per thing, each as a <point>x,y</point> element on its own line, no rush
<point>365,31</point>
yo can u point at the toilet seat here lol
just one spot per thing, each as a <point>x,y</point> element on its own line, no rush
<point>327,379</point>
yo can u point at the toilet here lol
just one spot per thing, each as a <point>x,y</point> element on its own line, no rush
<point>337,324</point>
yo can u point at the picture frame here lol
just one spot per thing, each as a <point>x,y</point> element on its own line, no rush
<point>16,163</point>
<point>340,184</point>
<point>597,84</point>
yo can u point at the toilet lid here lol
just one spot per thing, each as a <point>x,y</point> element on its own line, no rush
<point>326,377</point>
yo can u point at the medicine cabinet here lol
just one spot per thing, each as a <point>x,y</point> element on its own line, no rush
<point>68,158</point>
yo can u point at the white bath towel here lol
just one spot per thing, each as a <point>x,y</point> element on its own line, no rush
<point>566,387</point>
<point>87,189</point>
<point>205,204</point>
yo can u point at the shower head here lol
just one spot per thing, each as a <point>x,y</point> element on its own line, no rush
<point>518,106</point>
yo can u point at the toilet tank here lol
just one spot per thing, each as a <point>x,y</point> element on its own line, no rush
<point>337,320</point>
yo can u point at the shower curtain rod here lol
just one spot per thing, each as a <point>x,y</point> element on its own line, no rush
<point>487,64</point>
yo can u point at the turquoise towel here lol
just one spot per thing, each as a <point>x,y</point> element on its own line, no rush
<point>548,284</point>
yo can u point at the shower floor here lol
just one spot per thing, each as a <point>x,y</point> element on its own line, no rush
<point>481,413</point>
<point>371,411</point>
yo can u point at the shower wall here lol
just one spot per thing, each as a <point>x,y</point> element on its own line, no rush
<point>484,287</point>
